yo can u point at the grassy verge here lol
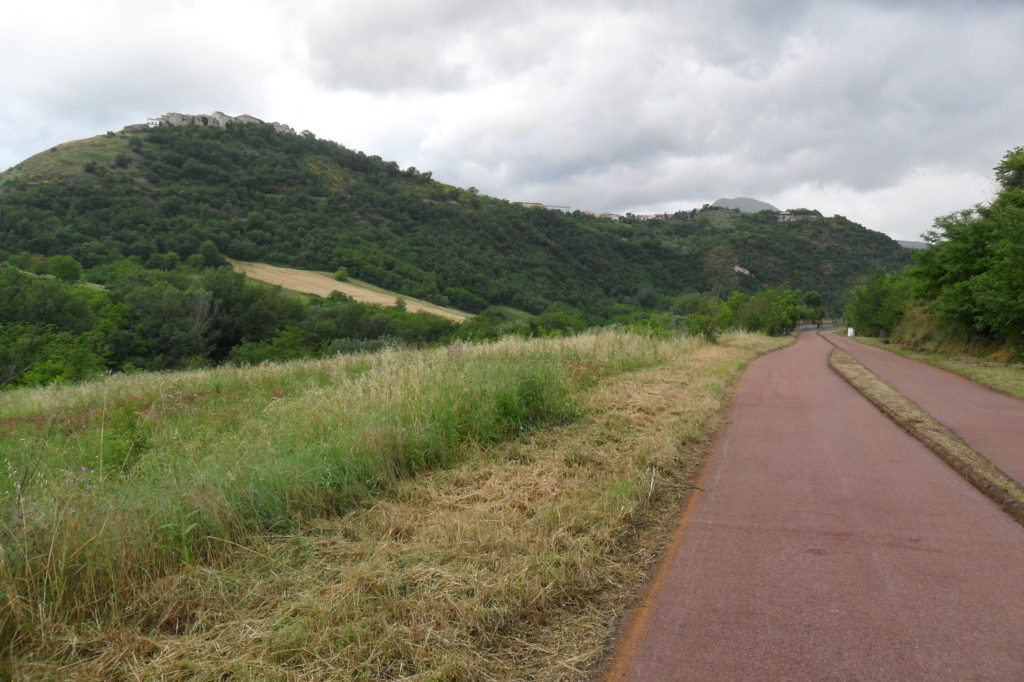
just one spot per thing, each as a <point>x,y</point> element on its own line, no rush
<point>106,486</point>
<point>973,466</point>
<point>1008,378</point>
<point>509,562</point>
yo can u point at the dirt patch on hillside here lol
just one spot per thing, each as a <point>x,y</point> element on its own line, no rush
<point>322,285</point>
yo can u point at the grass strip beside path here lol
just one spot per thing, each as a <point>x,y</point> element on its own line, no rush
<point>973,466</point>
<point>515,563</point>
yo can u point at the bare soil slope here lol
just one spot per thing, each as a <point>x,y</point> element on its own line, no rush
<point>321,284</point>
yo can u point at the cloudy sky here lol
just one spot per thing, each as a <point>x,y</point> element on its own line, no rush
<point>889,112</point>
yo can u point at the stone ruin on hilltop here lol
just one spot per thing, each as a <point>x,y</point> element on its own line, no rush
<point>217,118</point>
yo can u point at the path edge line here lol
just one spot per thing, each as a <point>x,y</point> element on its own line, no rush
<point>620,654</point>
<point>989,479</point>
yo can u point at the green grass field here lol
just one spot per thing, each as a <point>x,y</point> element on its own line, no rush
<point>108,484</point>
<point>397,514</point>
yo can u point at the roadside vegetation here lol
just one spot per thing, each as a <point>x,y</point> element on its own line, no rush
<point>439,514</point>
<point>963,295</point>
<point>60,325</point>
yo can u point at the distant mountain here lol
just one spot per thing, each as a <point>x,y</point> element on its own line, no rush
<point>273,196</point>
<point>912,245</point>
<point>744,204</point>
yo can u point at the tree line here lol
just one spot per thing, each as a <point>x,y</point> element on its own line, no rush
<point>128,317</point>
<point>56,327</point>
<point>966,286</point>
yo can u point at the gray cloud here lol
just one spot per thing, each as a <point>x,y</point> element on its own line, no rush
<point>610,105</point>
<point>841,93</point>
<point>83,70</point>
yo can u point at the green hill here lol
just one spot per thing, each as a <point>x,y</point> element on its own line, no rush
<point>295,200</point>
<point>800,249</point>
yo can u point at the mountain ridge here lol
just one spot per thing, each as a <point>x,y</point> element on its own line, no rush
<point>745,204</point>
<point>288,199</point>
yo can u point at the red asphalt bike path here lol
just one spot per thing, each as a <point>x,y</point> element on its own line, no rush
<point>829,545</point>
<point>989,421</point>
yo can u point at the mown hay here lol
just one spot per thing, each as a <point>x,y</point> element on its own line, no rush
<point>515,563</point>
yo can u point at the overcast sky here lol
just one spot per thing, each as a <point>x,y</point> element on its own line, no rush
<point>890,113</point>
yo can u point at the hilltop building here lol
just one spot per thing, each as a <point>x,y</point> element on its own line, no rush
<point>217,118</point>
<point>535,204</point>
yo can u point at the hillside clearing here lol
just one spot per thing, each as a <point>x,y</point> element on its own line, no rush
<point>322,284</point>
<point>67,160</point>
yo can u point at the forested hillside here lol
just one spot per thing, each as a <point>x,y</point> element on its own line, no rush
<point>287,199</point>
<point>805,251</point>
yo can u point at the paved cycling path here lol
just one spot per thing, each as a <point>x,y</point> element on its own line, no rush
<point>989,421</point>
<point>829,545</point>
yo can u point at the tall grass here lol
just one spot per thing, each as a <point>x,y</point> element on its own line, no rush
<point>108,485</point>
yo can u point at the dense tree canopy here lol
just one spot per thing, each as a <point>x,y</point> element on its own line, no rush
<point>975,265</point>
<point>53,331</point>
<point>145,218</point>
<point>969,278</point>
<point>255,194</point>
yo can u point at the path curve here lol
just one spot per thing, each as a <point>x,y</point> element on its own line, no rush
<point>830,545</point>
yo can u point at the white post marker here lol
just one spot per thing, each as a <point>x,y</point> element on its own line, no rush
<point>849,331</point>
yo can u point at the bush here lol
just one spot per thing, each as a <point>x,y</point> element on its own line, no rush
<point>877,306</point>
<point>65,268</point>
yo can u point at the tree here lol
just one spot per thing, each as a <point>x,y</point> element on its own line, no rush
<point>211,255</point>
<point>1010,171</point>
<point>65,268</point>
<point>773,311</point>
<point>701,314</point>
<point>877,306</point>
<point>812,299</point>
<point>42,319</point>
<point>973,270</point>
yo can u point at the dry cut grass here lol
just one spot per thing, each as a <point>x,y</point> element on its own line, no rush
<point>515,564</point>
<point>322,284</point>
